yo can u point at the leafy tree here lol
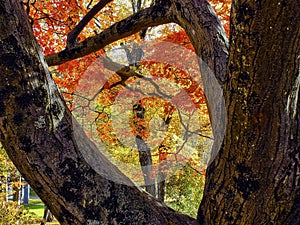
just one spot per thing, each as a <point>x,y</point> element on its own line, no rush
<point>254,174</point>
<point>92,106</point>
<point>8,174</point>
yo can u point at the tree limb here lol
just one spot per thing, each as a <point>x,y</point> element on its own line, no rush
<point>211,45</point>
<point>149,17</point>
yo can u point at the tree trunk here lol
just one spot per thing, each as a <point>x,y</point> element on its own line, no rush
<point>145,155</point>
<point>255,178</point>
<point>50,149</point>
<point>48,217</point>
<point>15,181</point>
<point>146,165</point>
<point>163,167</point>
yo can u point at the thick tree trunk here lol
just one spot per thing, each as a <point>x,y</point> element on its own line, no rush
<point>255,178</point>
<point>50,149</point>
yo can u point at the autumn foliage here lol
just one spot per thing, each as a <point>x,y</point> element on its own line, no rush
<point>99,98</point>
<point>88,87</point>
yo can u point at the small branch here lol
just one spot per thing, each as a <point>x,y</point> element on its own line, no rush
<point>149,17</point>
<point>71,39</point>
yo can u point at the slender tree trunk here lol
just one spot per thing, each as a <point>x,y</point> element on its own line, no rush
<point>162,169</point>
<point>146,164</point>
<point>161,176</point>
<point>15,180</point>
<point>161,185</point>
<point>145,155</point>
<point>48,217</point>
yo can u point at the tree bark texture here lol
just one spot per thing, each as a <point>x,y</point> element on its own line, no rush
<point>256,177</point>
<point>51,150</point>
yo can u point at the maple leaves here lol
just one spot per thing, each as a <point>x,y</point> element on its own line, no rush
<point>52,21</point>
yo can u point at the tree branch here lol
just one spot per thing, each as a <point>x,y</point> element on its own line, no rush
<point>71,39</point>
<point>205,32</point>
<point>211,45</point>
<point>149,17</point>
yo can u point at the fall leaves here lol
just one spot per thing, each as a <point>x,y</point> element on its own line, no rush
<point>165,81</point>
<point>168,87</point>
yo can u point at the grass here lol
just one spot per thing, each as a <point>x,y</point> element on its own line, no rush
<point>36,206</point>
<point>36,211</point>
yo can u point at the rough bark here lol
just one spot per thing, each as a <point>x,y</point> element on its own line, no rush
<point>255,178</point>
<point>50,149</point>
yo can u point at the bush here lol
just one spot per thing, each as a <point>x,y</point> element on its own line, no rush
<point>11,213</point>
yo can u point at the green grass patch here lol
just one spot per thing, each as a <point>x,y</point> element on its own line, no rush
<point>36,208</point>
<point>36,211</point>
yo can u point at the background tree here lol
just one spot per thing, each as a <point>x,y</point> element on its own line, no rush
<point>254,177</point>
<point>74,79</point>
